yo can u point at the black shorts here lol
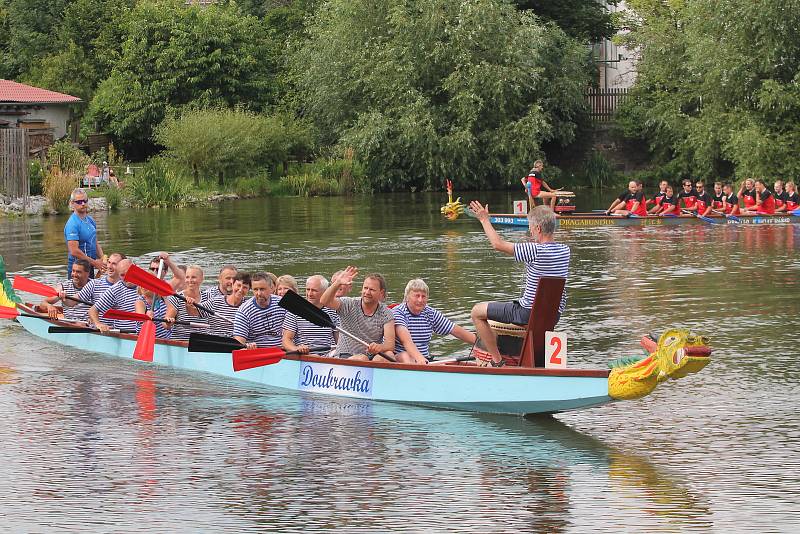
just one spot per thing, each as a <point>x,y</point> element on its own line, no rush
<point>510,313</point>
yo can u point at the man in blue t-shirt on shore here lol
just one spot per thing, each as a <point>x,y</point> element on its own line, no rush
<point>80,233</point>
<point>542,257</point>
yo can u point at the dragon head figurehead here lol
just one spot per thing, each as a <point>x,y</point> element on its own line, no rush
<point>452,209</point>
<point>7,295</point>
<point>677,353</point>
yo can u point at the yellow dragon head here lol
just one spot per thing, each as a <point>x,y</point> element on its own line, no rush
<point>677,354</point>
<point>7,295</point>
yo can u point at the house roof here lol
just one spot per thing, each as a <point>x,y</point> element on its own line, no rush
<point>20,93</point>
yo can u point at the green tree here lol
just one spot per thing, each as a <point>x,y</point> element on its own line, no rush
<point>585,20</point>
<point>175,55</point>
<point>425,90</point>
<point>717,89</point>
<point>32,26</point>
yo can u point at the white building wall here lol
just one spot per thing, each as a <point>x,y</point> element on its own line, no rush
<point>616,63</point>
<point>56,115</point>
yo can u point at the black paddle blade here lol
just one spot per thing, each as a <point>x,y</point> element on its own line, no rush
<point>299,306</point>
<point>68,329</point>
<point>81,330</point>
<point>199,342</point>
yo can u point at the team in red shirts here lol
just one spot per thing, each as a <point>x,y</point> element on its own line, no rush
<point>755,195</point>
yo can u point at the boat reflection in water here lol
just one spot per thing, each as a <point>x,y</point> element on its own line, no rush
<point>472,471</point>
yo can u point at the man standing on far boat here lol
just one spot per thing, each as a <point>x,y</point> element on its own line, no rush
<point>80,234</point>
<point>533,184</point>
<point>542,257</point>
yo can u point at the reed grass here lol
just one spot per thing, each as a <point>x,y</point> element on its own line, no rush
<point>160,183</point>
<point>58,186</point>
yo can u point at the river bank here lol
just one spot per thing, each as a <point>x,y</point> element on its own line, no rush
<point>40,205</point>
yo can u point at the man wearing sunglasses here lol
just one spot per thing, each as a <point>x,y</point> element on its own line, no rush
<point>80,233</point>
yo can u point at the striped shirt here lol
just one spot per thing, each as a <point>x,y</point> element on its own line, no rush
<point>74,311</point>
<point>162,332</point>
<point>541,259</point>
<point>421,327</point>
<point>94,289</point>
<point>181,332</point>
<point>309,334</point>
<point>210,293</point>
<point>366,327</point>
<point>264,326</point>
<point>118,297</point>
<point>221,307</point>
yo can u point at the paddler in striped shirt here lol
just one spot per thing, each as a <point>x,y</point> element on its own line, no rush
<point>300,335</point>
<point>259,321</point>
<point>121,296</point>
<point>95,287</point>
<point>415,323</point>
<point>73,311</point>
<point>227,305</point>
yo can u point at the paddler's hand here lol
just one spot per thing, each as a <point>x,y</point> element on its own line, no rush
<point>347,275</point>
<point>302,349</point>
<point>374,348</point>
<point>251,346</point>
<point>52,311</point>
<point>481,212</point>
<point>103,327</point>
<point>62,295</point>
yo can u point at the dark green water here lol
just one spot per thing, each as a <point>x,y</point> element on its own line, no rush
<point>97,443</point>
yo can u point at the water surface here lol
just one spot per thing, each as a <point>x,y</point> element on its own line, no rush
<point>95,443</point>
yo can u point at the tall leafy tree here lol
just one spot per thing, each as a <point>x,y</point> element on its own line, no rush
<point>585,20</point>
<point>717,90</point>
<point>175,55</point>
<point>32,27</point>
<point>424,90</point>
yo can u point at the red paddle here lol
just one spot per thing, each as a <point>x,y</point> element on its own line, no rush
<point>140,277</point>
<point>146,342</point>
<point>250,358</point>
<point>7,312</point>
<point>122,315</point>
<point>38,288</point>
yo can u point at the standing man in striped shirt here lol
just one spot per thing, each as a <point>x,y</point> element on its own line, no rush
<point>121,296</point>
<point>299,334</point>
<point>73,311</point>
<point>259,321</point>
<point>415,322</point>
<point>542,257</point>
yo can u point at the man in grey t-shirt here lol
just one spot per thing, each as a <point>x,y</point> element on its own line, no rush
<point>366,317</point>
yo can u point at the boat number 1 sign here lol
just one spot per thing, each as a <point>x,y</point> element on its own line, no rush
<point>555,350</point>
<point>520,207</point>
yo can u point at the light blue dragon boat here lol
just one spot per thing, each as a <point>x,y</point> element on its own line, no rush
<point>512,389</point>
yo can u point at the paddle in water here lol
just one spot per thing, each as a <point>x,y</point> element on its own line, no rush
<point>299,306</point>
<point>37,288</point>
<point>140,277</point>
<point>250,358</point>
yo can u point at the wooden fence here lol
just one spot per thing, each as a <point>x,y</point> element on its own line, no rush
<point>604,102</point>
<point>14,163</point>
